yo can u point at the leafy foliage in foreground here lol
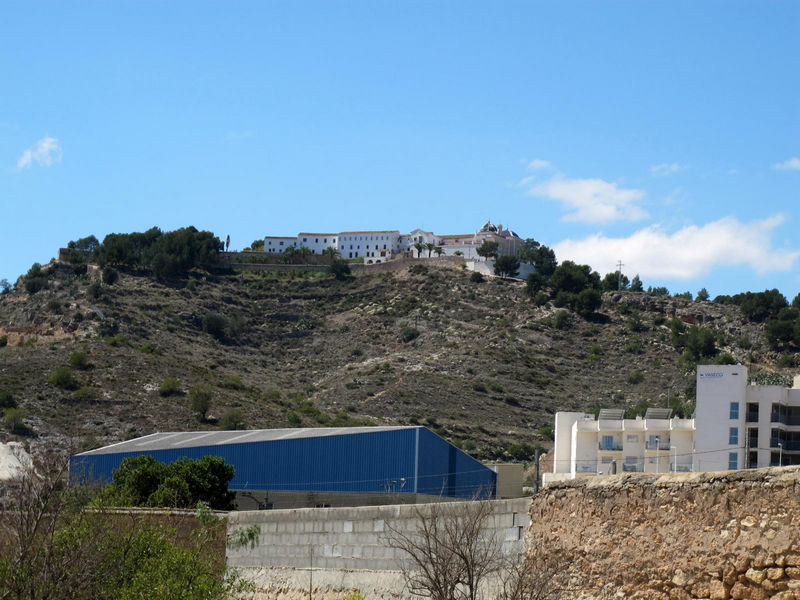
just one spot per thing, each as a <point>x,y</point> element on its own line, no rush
<point>52,547</point>
<point>143,481</point>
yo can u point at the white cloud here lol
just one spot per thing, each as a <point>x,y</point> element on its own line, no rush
<point>688,253</point>
<point>592,200</point>
<point>665,169</point>
<point>537,164</point>
<point>792,164</point>
<point>46,152</point>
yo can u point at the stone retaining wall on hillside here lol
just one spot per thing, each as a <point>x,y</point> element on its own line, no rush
<point>674,537</point>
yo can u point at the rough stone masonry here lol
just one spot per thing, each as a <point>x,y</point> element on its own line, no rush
<point>711,536</point>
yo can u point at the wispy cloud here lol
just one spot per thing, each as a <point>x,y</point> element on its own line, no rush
<point>665,169</point>
<point>537,164</point>
<point>791,164</point>
<point>46,152</point>
<point>591,200</point>
<point>688,253</point>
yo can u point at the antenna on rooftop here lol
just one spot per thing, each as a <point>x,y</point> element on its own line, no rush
<point>619,274</point>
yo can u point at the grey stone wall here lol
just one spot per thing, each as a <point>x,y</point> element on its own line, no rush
<point>345,548</point>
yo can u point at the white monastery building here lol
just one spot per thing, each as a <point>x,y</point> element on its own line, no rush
<point>377,246</point>
<point>736,425</point>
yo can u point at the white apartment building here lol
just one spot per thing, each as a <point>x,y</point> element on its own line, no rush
<point>377,246</point>
<point>736,425</point>
<point>742,425</point>
<point>585,446</point>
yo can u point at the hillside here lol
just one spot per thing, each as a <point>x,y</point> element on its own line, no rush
<point>487,369</point>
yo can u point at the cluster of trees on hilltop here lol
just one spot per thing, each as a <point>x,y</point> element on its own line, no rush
<point>781,319</point>
<point>161,253</point>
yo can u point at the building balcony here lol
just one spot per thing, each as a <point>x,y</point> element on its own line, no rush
<point>632,468</point>
<point>751,417</point>
<point>586,468</point>
<point>587,425</point>
<point>657,445</point>
<point>681,468</point>
<point>787,445</point>
<point>615,447</point>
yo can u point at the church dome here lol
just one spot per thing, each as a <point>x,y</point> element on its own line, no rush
<point>489,227</point>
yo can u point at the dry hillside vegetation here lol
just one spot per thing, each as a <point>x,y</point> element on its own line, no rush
<point>478,362</point>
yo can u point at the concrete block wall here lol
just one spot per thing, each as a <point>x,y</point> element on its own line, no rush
<point>345,548</point>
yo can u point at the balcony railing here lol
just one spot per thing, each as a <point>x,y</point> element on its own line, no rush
<point>657,445</point>
<point>680,468</point>
<point>613,447</point>
<point>751,417</point>
<point>788,445</point>
<point>781,416</point>
<point>632,468</point>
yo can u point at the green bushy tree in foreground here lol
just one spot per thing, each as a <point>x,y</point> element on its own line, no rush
<point>143,481</point>
<point>51,547</point>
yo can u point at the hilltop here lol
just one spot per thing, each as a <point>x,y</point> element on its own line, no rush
<point>478,362</point>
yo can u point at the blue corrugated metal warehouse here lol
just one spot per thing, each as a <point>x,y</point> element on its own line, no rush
<point>278,468</point>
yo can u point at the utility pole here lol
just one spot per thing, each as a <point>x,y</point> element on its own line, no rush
<point>619,274</point>
<point>536,471</point>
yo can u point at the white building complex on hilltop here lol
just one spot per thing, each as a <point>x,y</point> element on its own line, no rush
<point>377,246</point>
<point>736,425</point>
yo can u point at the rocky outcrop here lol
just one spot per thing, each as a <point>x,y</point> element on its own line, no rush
<point>713,536</point>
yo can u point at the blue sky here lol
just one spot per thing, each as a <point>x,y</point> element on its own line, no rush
<point>662,134</point>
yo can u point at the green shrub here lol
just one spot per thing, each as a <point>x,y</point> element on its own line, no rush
<point>191,285</point>
<point>476,277</point>
<point>522,452</point>
<point>215,324</point>
<point>479,387</point>
<point>409,333</point>
<point>117,340</point>
<point>294,419</point>
<point>232,420</point>
<point>200,400</point>
<point>79,269</point>
<point>84,394</point>
<point>635,377</point>
<point>635,345</point>
<point>725,359</point>
<point>418,269</point>
<point>79,360</point>
<point>63,378</point>
<point>54,306</point>
<point>561,320</point>
<point>547,431</point>
<point>35,279</point>
<point>14,420</point>
<point>7,400</point>
<point>94,290</point>
<point>786,361</point>
<point>272,395</point>
<point>541,299</point>
<point>3,341</point>
<point>149,348</point>
<point>110,275</point>
<point>231,382</point>
<point>595,352</point>
<point>339,268</point>
<point>171,386</point>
